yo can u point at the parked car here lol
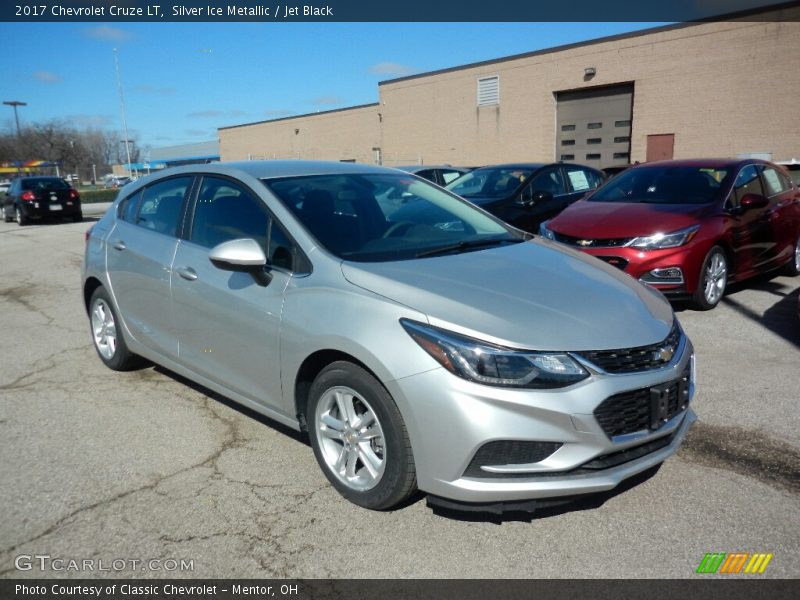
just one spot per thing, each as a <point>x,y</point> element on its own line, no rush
<point>115,182</point>
<point>438,174</point>
<point>4,185</point>
<point>479,364</point>
<point>525,194</point>
<point>37,198</point>
<point>690,227</point>
<point>793,167</point>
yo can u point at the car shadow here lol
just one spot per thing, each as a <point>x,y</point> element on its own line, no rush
<point>781,318</point>
<point>298,436</point>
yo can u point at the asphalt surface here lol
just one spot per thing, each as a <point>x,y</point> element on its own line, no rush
<point>135,466</point>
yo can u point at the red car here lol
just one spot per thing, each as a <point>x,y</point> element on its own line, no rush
<point>689,227</point>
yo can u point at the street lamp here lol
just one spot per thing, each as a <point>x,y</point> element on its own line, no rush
<point>14,104</point>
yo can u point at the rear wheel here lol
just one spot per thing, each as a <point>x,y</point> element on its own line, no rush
<point>713,279</point>
<point>21,218</point>
<point>107,337</point>
<point>359,438</point>
<point>78,217</point>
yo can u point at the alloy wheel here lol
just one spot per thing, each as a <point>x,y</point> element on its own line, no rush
<point>715,278</point>
<point>351,438</point>
<point>104,329</point>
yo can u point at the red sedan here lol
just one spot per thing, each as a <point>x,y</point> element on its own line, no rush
<point>689,227</point>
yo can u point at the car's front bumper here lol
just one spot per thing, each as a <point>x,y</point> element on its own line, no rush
<point>450,419</point>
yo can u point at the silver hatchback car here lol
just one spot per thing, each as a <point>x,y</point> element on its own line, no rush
<point>446,352</point>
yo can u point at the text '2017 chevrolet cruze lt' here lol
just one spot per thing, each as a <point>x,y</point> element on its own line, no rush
<point>463,358</point>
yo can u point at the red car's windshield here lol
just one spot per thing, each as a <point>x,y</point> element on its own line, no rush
<point>664,185</point>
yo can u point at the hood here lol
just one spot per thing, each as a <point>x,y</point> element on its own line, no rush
<point>535,295</point>
<point>604,220</point>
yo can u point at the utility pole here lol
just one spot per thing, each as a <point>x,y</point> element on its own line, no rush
<point>122,105</point>
<point>14,104</point>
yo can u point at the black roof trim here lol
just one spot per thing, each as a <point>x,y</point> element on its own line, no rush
<point>611,38</point>
<point>322,112</point>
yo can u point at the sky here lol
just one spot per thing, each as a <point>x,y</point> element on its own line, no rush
<point>183,80</point>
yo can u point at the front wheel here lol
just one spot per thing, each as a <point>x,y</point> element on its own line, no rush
<point>106,334</point>
<point>359,438</point>
<point>713,279</point>
<point>793,268</point>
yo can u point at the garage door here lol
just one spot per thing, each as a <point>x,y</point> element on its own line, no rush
<point>594,126</point>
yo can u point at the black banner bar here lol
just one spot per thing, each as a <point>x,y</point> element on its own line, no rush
<point>742,587</point>
<point>282,11</point>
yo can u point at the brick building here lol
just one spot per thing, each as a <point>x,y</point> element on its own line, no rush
<point>688,90</point>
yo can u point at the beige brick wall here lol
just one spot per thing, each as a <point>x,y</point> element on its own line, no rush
<point>721,88</point>
<point>333,135</point>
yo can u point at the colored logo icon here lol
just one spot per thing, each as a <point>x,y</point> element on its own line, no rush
<point>734,563</point>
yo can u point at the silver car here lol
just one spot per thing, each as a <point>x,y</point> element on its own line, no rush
<point>455,355</point>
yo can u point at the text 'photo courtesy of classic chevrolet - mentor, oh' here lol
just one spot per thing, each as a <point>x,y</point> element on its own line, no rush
<point>460,357</point>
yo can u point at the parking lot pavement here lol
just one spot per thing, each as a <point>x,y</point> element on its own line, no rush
<point>141,465</point>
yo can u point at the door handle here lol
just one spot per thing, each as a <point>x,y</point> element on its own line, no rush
<point>188,273</point>
<point>118,245</point>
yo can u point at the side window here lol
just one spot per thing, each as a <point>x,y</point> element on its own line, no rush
<point>129,207</point>
<point>161,205</point>
<point>548,181</point>
<point>582,180</point>
<point>226,211</point>
<point>747,182</point>
<point>775,181</point>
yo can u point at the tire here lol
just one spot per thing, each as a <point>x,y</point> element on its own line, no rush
<point>78,218</point>
<point>107,336</point>
<point>793,267</point>
<point>22,220</point>
<point>713,280</point>
<point>366,455</point>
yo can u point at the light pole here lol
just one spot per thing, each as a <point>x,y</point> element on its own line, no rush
<point>122,105</point>
<point>14,104</point>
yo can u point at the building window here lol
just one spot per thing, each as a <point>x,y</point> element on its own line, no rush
<point>593,157</point>
<point>489,90</point>
<point>568,128</point>
<point>622,155</point>
<point>622,139</point>
<point>567,157</point>
<point>622,123</point>
<point>567,142</point>
<point>595,126</point>
<point>594,141</point>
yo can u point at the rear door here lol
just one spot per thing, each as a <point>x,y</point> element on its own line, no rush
<point>140,251</point>
<point>228,324</point>
<point>782,214</point>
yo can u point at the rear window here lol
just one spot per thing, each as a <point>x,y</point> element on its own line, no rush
<point>38,185</point>
<point>663,185</point>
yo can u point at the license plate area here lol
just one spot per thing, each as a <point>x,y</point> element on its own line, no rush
<point>668,400</point>
<point>55,207</point>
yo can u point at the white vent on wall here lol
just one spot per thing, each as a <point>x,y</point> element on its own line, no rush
<point>488,90</point>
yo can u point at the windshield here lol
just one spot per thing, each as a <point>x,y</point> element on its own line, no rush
<point>663,185</point>
<point>382,217</point>
<point>493,182</point>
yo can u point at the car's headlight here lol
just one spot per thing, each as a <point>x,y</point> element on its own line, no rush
<point>665,240</point>
<point>545,232</point>
<point>494,365</point>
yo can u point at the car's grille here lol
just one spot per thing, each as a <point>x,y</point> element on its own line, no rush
<point>590,242</point>
<point>615,261</point>
<point>641,358</point>
<point>643,409</point>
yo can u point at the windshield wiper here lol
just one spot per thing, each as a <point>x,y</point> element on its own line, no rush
<point>467,245</point>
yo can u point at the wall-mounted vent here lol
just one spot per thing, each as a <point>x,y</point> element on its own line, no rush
<point>488,90</point>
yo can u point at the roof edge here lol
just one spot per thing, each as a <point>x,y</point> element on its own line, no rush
<point>289,118</point>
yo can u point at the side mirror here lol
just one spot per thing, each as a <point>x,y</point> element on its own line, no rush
<point>750,201</point>
<point>243,255</point>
